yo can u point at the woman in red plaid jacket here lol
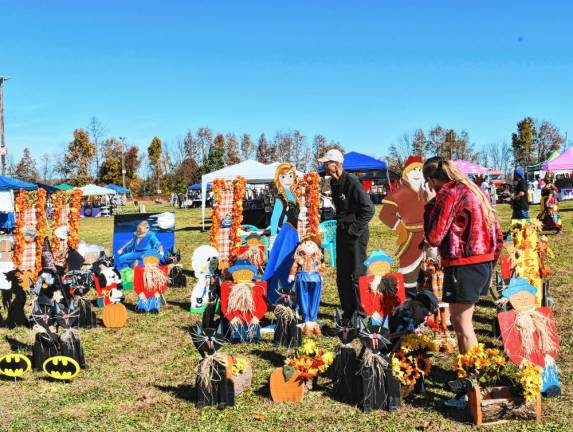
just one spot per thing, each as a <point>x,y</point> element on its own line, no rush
<point>461,222</point>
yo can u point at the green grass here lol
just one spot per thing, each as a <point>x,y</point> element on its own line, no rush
<point>140,377</point>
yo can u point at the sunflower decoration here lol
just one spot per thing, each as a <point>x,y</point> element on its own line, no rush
<point>412,360</point>
<point>529,377</point>
<point>480,365</point>
<point>309,360</point>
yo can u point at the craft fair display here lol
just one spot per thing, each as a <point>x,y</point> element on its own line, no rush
<point>227,218</point>
<point>243,304</point>
<point>296,377</point>
<point>61,368</point>
<point>150,282</point>
<point>253,252</point>
<point>306,272</point>
<point>14,365</point>
<point>489,402</point>
<point>287,331</point>
<point>284,230</point>
<point>108,283</point>
<point>79,283</point>
<point>411,363</point>
<point>345,386</point>
<point>205,263</point>
<point>213,383</point>
<point>65,224</point>
<point>403,211</point>
<point>380,291</point>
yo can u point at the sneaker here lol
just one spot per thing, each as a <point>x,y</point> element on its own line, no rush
<point>460,403</point>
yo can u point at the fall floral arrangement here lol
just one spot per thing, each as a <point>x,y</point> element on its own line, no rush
<point>412,360</point>
<point>529,378</point>
<point>309,360</point>
<point>74,235</point>
<point>218,185</point>
<point>480,365</point>
<point>240,365</point>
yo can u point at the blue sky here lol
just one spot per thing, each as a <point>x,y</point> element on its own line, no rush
<point>361,72</point>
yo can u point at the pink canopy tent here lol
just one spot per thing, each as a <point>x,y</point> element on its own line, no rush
<point>563,162</point>
<point>470,167</point>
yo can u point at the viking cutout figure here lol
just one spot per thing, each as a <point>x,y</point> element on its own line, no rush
<point>306,272</point>
<point>403,211</point>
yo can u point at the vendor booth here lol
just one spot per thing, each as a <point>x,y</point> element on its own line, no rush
<point>562,167</point>
<point>7,187</point>
<point>97,201</point>
<point>260,196</point>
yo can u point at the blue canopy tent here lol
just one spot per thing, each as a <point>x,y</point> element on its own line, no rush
<point>9,183</point>
<point>7,187</point>
<point>354,161</point>
<point>118,189</point>
<point>197,186</point>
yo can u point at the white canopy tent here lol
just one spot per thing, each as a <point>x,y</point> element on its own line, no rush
<point>253,171</point>
<point>92,189</point>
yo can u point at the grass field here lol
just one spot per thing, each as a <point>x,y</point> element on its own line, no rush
<point>140,377</point>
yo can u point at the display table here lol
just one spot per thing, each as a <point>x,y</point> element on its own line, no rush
<point>566,194</point>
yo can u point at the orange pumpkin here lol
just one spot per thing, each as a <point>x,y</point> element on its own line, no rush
<point>283,390</point>
<point>114,315</point>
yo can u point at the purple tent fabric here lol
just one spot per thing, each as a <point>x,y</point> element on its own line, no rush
<point>470,167</point>
<point>563,162</point>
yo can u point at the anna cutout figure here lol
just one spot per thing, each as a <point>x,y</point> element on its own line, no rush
<point>284,221</point>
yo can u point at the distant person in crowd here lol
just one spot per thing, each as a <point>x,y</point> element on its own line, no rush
<point>549,214</point>
<point>519,200</point>
<point>461,222</point>
<point>173,199</point>
<point>353,213</point>
<point>180,199</point>
<point>493,194</point>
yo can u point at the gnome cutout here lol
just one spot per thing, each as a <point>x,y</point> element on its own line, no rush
<point>403,211</point>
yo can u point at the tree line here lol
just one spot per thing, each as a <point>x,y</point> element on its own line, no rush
<point>92,156</point>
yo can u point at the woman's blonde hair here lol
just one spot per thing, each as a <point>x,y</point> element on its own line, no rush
<point>446,170</point>
<point>283,169</point>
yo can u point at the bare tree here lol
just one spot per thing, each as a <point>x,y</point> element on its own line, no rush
<point>247,146</point>
<point>97,131</point>
<point>45,168</point>
<point>204,141</point>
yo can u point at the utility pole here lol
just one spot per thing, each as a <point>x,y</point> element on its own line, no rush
<point>122,139</point>
<point>3,150</point>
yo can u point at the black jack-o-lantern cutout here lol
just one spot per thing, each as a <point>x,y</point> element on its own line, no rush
<point>61,367</point>
<point>14,365</point>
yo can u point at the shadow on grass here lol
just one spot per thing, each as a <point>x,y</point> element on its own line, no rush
<point>191,228</point>
<point>183,305</point>
<point>275,358</point>
<point>17,346</point>
<point>184,392</point>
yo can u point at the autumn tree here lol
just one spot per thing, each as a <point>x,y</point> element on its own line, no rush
<point>247,147</point>
<point>216,158</point>
<point>155,159</point>
<point>192,147</point>
<point>263,150</point>
<point>232,154</point>
<point>26,169</point>
<point>110,168</point>
<point>204,141</point>
<point>549,139</point>
<point>524,142</point>
<point>78,159</point>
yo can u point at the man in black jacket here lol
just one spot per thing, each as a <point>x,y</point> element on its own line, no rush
<point>353,212</point>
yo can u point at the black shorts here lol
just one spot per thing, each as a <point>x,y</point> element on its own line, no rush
<point>466,283</point>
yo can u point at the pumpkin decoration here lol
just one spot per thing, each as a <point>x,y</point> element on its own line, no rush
<point>284,387</point>
<point>114,315</point>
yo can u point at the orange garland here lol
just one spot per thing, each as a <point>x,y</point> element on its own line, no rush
<point>41,228</point>
<point>240,185</point>
<point>74,235</point>
<point>312,180</point>
<point>20,207</point>
<point>58,203</point>
<point>218,185</point>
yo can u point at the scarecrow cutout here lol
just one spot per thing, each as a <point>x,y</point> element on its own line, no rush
<point>380,291</point>
<point>243,303</point>
<point>205,263</point>
<point>528,332</point>
<point>306,272</point>
<point>150,283</point>
<point>253,252</point>
<point>403,211</point>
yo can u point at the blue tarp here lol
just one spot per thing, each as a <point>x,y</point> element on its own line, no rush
<point>116,188</point>
<point>197,186</point>
<point>354,161</point>
<point>9,183</point>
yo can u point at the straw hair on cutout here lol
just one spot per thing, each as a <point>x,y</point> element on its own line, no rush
<point>445,170</point>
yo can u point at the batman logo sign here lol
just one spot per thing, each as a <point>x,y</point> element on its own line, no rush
<point>61,367</point>
<point>14,365</point>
